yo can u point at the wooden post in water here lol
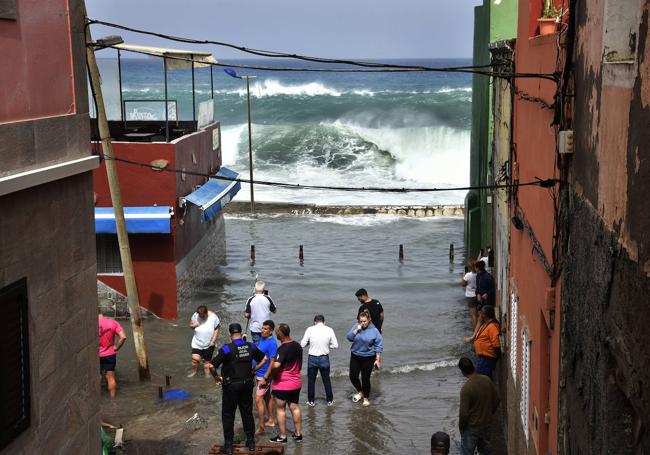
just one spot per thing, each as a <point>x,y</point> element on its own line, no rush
<point>168,380</point>
<point>116,197</point>
<point>451,252</point>
<point>253,253</point>
<point>301,255</point>
<point>160,392</point>
<point>401,252</point>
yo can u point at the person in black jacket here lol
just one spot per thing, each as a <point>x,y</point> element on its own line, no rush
<point>237,381</point>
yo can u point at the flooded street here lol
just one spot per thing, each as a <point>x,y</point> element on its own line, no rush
<point>415,393</point>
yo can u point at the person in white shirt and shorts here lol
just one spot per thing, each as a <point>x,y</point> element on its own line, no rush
<point>206,327</point>
<point>259,308</point>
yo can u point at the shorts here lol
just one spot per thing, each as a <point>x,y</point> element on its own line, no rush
<point>472,302</point>
<point>107,363</point>
<point>291,396</point>
<point>206,354</point>
<point>262,390</point>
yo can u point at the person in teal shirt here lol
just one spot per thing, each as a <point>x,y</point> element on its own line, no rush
<point>263,399</point>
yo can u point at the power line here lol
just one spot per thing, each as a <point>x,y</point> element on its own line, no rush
<point>547,183</point>
<point>276,54</point>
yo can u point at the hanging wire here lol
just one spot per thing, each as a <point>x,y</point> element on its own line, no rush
<point>378,66</point>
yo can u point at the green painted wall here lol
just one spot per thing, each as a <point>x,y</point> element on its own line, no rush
<point>476,216</point>
<point>503,20</point>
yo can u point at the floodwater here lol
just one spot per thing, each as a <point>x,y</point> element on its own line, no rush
<point>415,394</point>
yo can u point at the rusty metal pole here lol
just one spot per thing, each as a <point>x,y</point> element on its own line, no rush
<point>116,197</point>
<point>401,252</point>
<point>451,252</point>
<point>250,141</point>
<point>301,255</point>
<point>253,253</point>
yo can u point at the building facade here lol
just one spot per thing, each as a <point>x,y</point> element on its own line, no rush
<point>571,256</point>
<point>49,384</point>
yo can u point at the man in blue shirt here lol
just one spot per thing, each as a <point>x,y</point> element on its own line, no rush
<point>484,285</point>
<point>263,398</point>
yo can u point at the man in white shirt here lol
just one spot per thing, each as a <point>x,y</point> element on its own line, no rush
<point>206,327</point>
<point>320,339</point>
<point>258,309</point>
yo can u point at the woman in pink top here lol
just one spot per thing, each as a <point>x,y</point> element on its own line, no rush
<point>108,328</point>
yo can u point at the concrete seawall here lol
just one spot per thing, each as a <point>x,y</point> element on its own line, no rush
<point>240,207</point>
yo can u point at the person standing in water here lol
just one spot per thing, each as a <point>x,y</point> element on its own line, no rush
<point>372,306</point>
<point>367,345</point>
<point>206,327</point>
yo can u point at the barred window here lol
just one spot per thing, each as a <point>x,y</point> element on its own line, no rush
<point>14,381</point>
<point>525,377</point>
<point>514,334</point>
<point>108,254</point>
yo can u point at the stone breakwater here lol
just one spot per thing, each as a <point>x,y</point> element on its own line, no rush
<point>236,207</point>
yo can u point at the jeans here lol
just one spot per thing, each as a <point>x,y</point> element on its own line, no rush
<point>475,438</point>
<point>485,365</point>
<point>314,365</point>
<point>361,365</point>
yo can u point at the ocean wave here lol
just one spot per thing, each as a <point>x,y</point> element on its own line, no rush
<point>454,89</point>
<point>273,87</point>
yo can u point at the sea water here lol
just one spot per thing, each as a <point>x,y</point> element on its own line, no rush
<point>404,130</point>
<point>393,130</point>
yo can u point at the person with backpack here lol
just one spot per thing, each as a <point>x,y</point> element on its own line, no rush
<point>486,341</point>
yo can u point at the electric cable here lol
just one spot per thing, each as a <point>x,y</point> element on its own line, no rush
<point>276,54</point>
<point>544,183</point>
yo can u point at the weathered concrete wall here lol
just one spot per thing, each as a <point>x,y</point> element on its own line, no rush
<point>606,278</point>
<point>47,236</point>
<point>313,209</point>
<point>604,355</point>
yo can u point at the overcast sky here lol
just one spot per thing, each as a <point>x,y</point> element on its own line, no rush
<point>331,28</point>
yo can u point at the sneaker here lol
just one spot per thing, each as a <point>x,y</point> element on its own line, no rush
<point>296,438</point>
<point>278,439</point>
<point>250,443</point>
<point>356,397</point>
<point>366,402</point>
<point>311,403</point>
<point>226,447</point>
<point>192,374</point>
<point>330,403</point>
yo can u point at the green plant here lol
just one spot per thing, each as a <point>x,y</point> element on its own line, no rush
<point>550,10</point>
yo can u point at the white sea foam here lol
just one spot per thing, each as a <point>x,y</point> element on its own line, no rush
<point>272,87</point>
<point>454,89</point>
<point>405,369</point>
<point>424,157</point>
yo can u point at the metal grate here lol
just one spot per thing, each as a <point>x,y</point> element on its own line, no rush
<point>514,311</point>
<point>14,381</point>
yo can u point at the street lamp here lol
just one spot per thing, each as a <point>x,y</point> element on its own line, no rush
<point>232,73</point>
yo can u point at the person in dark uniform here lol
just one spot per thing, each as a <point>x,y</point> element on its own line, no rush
<point>237,381</point>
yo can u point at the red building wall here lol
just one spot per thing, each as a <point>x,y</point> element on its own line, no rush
<point>37,77</point>
<point>535,157</point>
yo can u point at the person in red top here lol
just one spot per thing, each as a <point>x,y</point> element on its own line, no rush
<point>287,382</point>
<point>108,328</point>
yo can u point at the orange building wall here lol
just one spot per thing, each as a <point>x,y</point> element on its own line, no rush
<point>535,153</point>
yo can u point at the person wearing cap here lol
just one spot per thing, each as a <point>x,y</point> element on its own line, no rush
<point>236,359</point>
<point>259,308</point>
<point>440,443</point>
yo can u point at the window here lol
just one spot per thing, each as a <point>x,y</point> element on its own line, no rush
<point>514,334</point>
<point>14,381</point>
<point>8,9</point>
<point>525,376</point>
<point>108,254</point>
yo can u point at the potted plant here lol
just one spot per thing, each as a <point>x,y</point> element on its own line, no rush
<point>550,18</point>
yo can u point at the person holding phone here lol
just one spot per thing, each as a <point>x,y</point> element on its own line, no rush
<point>367,345</point>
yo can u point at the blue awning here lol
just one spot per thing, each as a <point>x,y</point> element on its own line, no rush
<point>215,194</point>
<point>139,220</point>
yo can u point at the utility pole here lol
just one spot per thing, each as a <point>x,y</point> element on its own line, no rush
<point>250,140</point>
<point>116,196</point>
